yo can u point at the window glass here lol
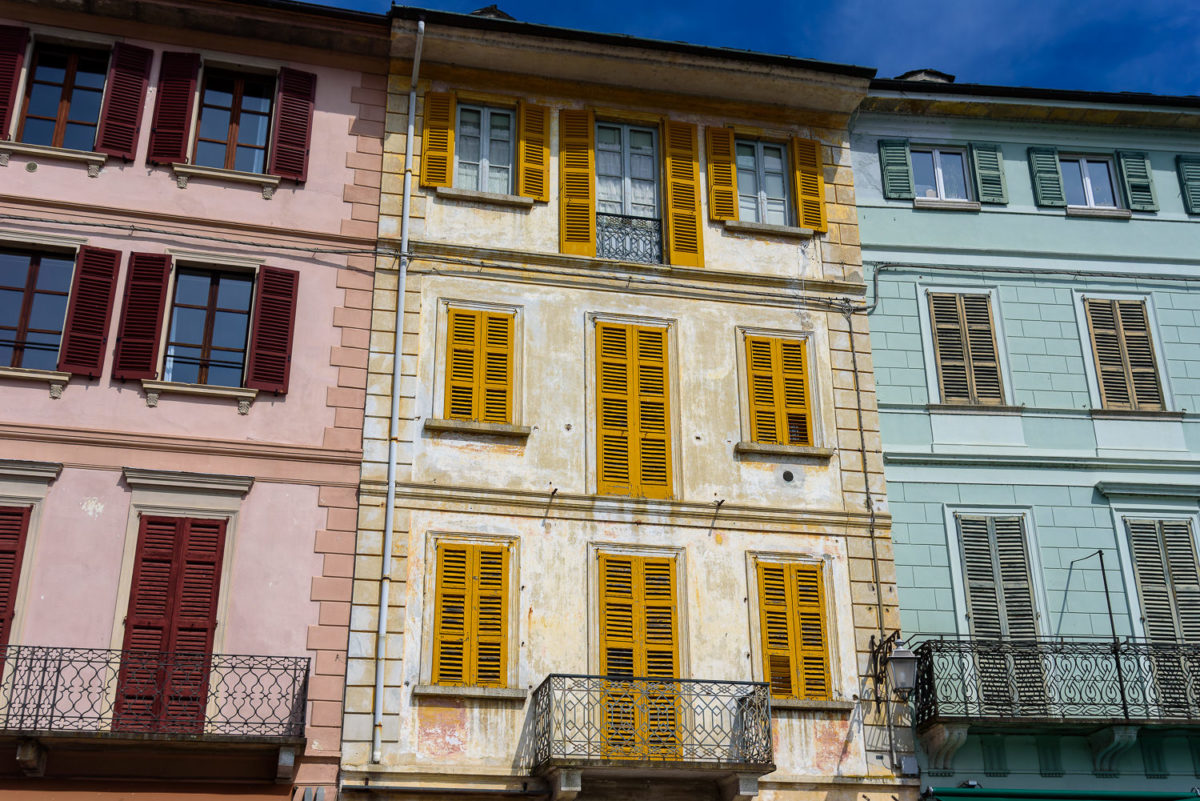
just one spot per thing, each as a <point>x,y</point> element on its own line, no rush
<point>1072,176</point>
<point>762,182</point>
<point>33,306</point>
<point>484,149</point>
<point>1100,178</point>
<point>235,119</point>
<point>210,316</point>
<point>924,176</point>
<point>954,174</point>
<point>62,100</point>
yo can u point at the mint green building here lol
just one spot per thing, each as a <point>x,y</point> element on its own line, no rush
<point>1035,319</point>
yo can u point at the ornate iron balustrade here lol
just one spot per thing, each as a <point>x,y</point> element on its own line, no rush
<point>112,692</point>
<point>628,238</point>
<point>606,720</point>
<point>1064,680</point>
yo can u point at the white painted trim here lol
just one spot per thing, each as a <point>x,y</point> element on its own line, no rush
<point>24,236</point>
<point>1085,342</point>
<point>207,258</point>
<point>441,351</point>
<point>26,484</point>
<point>925,320</point>
<point>1159,509</point>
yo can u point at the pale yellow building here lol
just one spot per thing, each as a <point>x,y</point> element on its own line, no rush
<point>640,544</point>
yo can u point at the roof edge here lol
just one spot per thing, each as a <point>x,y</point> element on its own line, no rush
<point>1033,93</point>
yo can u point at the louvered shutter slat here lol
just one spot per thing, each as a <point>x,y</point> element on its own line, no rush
<point>462,364</point>
<point>533,155</point>
<point>124,101</point>
<point>14,529</point>
<point>85,332</point>
<point>1179,545</point>
<point>1012,560</point>
<point>451,604</point>
<point>762,367</point>
<point>777,623</point>
<point>685,243</point>
<point>13,43</point>
<point>811,642</point>
<point>1115,392</point>
<point>1047,177</point>
<point>495,370</point>
<point>988,163</point>
<point>949,348</point>
<point>796,412</point>
<point>173,104</point>
<point>618,635</point>
<point>895,169</point>
<point>661,705</point>
<point>722,174</point>
<point>981,347</point>
<point>983,596</point>
<point>577,186</point>
<point>269,357</point>
<point>489,643</point>
<point>810,184</point>
<point>653,436</point>
<point>1137,180</point>
<point>291,134</point>
<point>195,621</point>
<point>1154,586</point>
<point>1139,351</point>
<point>614,399</point>
<point>437,140</point>
<point>1189,182</point>
<point>141,316</point>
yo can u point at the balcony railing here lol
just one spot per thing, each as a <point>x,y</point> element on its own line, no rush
<point>1062,680</point>
<point>582,721</point>
<point>181,695</point>
<point>629,238</point>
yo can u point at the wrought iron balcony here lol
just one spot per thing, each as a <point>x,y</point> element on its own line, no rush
<point>143,693</point>
<point>1061,681</point>
<point>608,721</point>
<point>629,238</point>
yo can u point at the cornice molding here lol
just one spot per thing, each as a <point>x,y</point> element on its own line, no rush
<point>1110,489</point>
<point>974,459</point>
<point>174,480</point>
<point>29,471</point>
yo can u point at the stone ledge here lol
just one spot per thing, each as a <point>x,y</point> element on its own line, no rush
<point>942,204</point>
<point>183,172</point>
<point>973,408</point>
<point>477,427</point>
<point>244,397</point>
<point>493,198</point>
<point>807,705</point>
<point>176,480</point>
<point>30,471</point>
<point>789,231</point>
<point>795,451</point>
<point>1135,414</point>
<point>1099,213</point>
<point>57,380</point>
<point>487,693</point>
<point>93,160</point>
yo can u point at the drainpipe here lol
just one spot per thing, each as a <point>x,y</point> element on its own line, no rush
<point>389,512</point>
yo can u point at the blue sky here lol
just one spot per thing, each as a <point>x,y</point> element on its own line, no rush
<point>1099,45</point>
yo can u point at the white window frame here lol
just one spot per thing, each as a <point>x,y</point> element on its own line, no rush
<point>55,245</point>
<point>441,352</point>
<point>26,484</point>
<point>1087,179</point>
<point>485,140</point>
<point>937,150</point>
<point>627,187</point>
<point>925,320</point>
<point>1089,360</point>
<point>789,204</point>
<point>958,578</point>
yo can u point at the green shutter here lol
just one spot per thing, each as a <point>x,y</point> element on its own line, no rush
<point>1135,177</point>
<point>1047,179</point>
<point>1189,182</point>
<point>988,161</point>
<point>896,168</point>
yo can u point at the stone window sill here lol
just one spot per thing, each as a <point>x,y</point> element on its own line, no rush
<point>972,408</point>
<point>942,204</point>
<point>488,693</point>
<point>806,705</point>
<point>1104,214</point>
<point>93,160</point>
<point>244,397</point>
<point>56,379</point>
<point>477,427</point>
<point>183,172</point>
<point>788,231</point>
<point>1136,414</point>
<point>793,451</point>
<point>492,198</point>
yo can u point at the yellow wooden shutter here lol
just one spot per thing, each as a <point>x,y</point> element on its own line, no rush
<point>762,368</point>
<point>658,634</point>
<point>722,175</point>
<point>780,396</point>
<point>638,619</point>
<point>685,246</point>
<point>462,363</point>
<point>795,418</point>
<point>489,651</point>
<point>450,661</point>
<point>437,140</point>
<point>577,190</point>
<point>791,603</point>
<point>533,152</point>
<point>774,609</point>
<point>614,385</point>
<point>652,424</point>
<point>496,368</point>
<point>812,647</point>
<point>810,184</point>
<point>618,630</point>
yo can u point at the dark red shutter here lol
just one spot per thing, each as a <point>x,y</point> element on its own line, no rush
<point>14,526</point>
<point>124,99</point>
<point>141,316</point>
<point>13,42</point>
<point>173,108</point>
<point>274,322</point>
<point>85,332</point>
<point>163,684</point>
<point>293,124</point>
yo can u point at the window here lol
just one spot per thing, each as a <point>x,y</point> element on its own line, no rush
<point>1088,181</point>
<point>627,224</point>
<point>206,338</point>
<point>1189,182</point>
<point>235,115</point>
<point>795,639</point>
<point>33,307</point>
<point>62,97</point>
<point>486,148</point>
<point>1168,578</point>
<point>633,405</point>
<point>479,366</point>
<point>1123,349</point>
<point>209,315</point>
<point>964,347</point>
<point>755,181</point>
<point>471,615</point>
<point>780,395</point>
<point>940,172</point>
<point>762,170</point>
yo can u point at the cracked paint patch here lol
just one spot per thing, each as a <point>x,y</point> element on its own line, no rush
<point>92,507</point>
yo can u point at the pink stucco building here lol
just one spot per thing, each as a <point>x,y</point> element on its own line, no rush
<point>188,209</point>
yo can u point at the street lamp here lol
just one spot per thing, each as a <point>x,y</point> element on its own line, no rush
<point>893,664</point>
